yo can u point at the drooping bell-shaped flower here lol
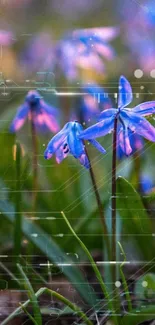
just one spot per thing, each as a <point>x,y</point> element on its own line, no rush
<point>67,142</point>
<point>130,120</point>
<point>34,107</point>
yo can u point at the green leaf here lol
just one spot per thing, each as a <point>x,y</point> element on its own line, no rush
<point>18,203</point>
<point>48,246</point>
<point>138,316</point>
<point>145,286</point>
<point>136,223</point>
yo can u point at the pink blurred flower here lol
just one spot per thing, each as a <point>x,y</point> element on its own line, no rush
<point>6,38</point>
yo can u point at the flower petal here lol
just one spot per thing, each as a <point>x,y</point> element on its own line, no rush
<point>108,113</point>
<point>145,109</point>
<point>125,92</point>
<point>136,143</point>
<point>99,129</point>
<point>62,153</point>
<point>20,118</point>
<point>90,61</point>
<point>104,50</point>
<point>45,122</point>
<point>124,141</point>
<point>105,33</point>
<point>97,145</point>
<point>84,160</point>
<point>56,142</point>
<point>50,114</point>
<point>51,110</point>
<point>76,145</point>
<point>96,97</point>
<point>138,124</point>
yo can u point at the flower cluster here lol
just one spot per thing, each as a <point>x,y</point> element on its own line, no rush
<point>129,120</point>
<point>131,125</point>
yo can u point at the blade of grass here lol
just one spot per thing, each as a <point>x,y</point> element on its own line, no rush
<point>18,217</point>
<point>55,254</point>
<point>18,311</point>
<point>61,298</point>
<point>93,264</point>
<point>12,276</point>
<point>139,316</point>
<point>39,276</point>
<point>68,303</point>
<point>124,282</point>
<point>28,314</point>
<point>31,294</point>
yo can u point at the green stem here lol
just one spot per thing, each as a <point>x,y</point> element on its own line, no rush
<point>100,207</point>
<point>124,282</point>
<point>113,253</point>
<point>28,314</point>
<point>34,163</point>
<point>137,170</point>
<point>18,199</point>
<point>18,311</point>
<point>93,264</point>
<point>33,299</point>
<point>12,276</point>
<point>68,303</point>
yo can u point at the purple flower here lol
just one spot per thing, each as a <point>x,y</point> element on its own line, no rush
<point>39,53</point>
<point>129,120</point>
<point>84,49</point>
<point>136,143</point>
<point>44,116</point>
<point>138,32</point>
<point>6,38</point>
<point>67,142</point>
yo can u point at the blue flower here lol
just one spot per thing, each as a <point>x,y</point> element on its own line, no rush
<point>84,48</point>
<point>67,142</point>
<point>44,116</point>
<point>136,143</point>
<point>129,120</point>
<point>146,183</point>
<point>95,100</point>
